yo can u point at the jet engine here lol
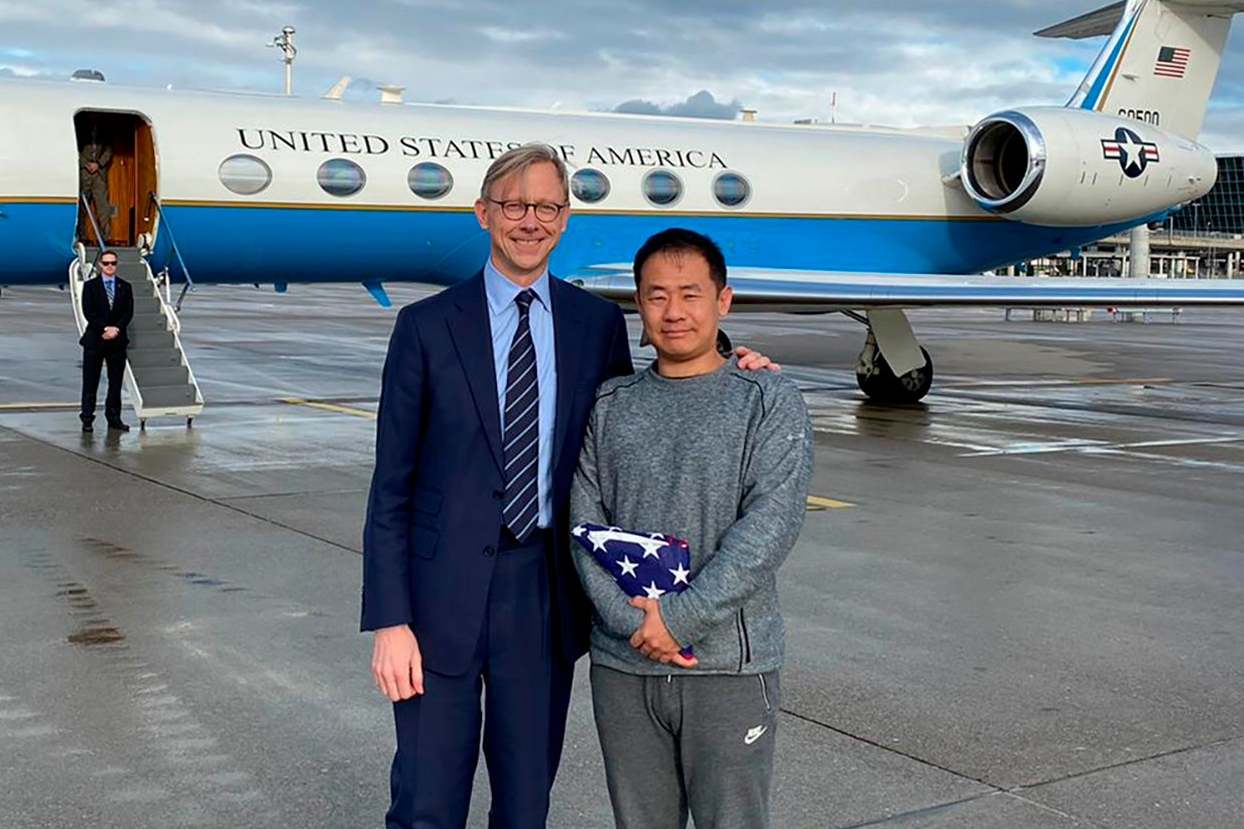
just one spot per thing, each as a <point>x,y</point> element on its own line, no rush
<point>1057,166</point>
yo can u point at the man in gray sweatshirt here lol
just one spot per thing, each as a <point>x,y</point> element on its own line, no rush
<point>694,448</point>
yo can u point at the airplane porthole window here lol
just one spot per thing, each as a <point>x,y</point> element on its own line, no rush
<point>731,189</point>
<point>662,188</point>
<point>341,177</point>
<point>429,181</point>
<point>589,185</point>
<point>245,174</point>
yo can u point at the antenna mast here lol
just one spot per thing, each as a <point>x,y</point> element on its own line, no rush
<point>285,42</point>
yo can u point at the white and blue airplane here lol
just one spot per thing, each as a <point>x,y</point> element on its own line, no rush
<point>247,188</point>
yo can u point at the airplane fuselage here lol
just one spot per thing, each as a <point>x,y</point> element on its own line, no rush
<point>817,197</point>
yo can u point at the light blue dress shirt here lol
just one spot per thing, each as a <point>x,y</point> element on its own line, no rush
<point>503,317</point>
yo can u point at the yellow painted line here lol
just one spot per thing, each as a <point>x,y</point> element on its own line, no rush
<point>587,211</point>
<point>816,503</point>
<point>38,200</point>
<point>329,407</point>
<point>583,209</point>
<point>20,406</point>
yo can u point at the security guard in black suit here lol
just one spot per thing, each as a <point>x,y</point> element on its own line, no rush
<point>108,305</point>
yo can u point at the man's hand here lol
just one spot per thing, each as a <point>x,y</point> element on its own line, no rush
<point>92,167</point>
<point>396,664</point>
<point>111,332</point>
<point>754,361</point>
<point>653,639</point>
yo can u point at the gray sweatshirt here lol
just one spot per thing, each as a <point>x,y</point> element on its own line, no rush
<point>721,460</point>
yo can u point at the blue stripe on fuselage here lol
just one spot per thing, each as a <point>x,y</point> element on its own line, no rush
<point>242,245</point>
<point>37,242</point>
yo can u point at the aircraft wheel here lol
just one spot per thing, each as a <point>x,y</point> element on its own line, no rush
<point>877,380</point>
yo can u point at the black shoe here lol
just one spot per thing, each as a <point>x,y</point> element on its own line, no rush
<point>118,426</point>
<point>87,427</point>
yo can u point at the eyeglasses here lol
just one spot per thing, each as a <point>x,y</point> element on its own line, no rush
<point>107,264</point>
<point>546,211</point>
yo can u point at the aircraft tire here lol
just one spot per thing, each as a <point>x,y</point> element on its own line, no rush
<point>882,386</point>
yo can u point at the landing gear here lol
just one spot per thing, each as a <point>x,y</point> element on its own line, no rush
<point>877,380</point>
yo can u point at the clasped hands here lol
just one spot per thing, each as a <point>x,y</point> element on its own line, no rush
<point>652,638</point>
<point>397,664</point>
<point>111,332</point>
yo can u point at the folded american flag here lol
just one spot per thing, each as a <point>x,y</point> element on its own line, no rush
<point>642,564</point>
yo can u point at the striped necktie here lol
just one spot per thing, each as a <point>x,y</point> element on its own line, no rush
<point>110,288</point>
<point>522,432</point>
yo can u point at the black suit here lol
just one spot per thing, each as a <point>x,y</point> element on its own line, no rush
<point>436,557</point>
<point>96,351</point>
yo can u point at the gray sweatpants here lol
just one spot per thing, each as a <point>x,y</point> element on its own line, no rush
<point>673,743</point>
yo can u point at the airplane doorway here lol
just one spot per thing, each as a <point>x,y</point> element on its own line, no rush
<point>117,175</point>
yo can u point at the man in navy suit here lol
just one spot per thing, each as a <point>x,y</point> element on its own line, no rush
<point>468,581</point>
<point>108,305</point>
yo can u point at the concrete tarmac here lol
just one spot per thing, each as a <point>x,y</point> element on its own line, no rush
<point>1017,605</point>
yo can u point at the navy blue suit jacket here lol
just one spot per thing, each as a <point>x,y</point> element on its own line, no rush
<point>434,512</point>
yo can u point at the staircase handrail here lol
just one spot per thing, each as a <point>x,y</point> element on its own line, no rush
<point>99,236</point>
<point>172,237</point>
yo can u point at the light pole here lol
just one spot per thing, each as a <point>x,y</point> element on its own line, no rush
<point>285,42</point>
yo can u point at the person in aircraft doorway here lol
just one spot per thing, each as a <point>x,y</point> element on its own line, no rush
<point>93,162</point>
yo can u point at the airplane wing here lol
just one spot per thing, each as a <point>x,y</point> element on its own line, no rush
<point>797,291</point>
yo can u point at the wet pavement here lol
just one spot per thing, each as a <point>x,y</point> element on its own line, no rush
<point>1018,605</point>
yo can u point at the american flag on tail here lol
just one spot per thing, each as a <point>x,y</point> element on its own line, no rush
<point>642,564</point>
<point>1172,61</point>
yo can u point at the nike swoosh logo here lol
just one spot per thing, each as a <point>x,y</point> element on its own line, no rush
<point>754,734</point>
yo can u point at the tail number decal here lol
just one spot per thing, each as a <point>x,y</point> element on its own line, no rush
<point>1148,116</point>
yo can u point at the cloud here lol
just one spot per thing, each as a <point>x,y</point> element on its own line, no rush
<point>700,105</point>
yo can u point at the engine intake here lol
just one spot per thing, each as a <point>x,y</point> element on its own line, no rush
<point>1004,161</point>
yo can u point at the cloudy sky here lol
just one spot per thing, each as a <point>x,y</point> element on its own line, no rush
<point>903,62</point>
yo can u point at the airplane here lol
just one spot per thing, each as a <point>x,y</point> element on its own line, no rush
<point>237,188</point>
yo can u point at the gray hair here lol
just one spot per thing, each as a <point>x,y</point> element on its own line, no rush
<point>518,160</point>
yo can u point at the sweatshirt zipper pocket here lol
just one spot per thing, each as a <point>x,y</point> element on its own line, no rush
<point>745,642</point>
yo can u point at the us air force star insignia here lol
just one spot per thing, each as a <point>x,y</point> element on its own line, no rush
<point>628,566</point>
<point>653,591</point>
<point>1133,154</point>
<point>680,575</point>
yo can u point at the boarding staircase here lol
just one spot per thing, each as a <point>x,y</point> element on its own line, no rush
<point>157,374</point>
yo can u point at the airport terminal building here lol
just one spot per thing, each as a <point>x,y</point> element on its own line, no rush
<point>1221,210</point>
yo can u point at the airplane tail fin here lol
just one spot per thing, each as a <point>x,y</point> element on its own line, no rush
<point>1159,63</point>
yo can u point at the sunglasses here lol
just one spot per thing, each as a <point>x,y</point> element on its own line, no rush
<point>108,264</point>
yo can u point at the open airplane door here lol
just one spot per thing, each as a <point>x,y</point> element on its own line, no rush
<point>118,178</point>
